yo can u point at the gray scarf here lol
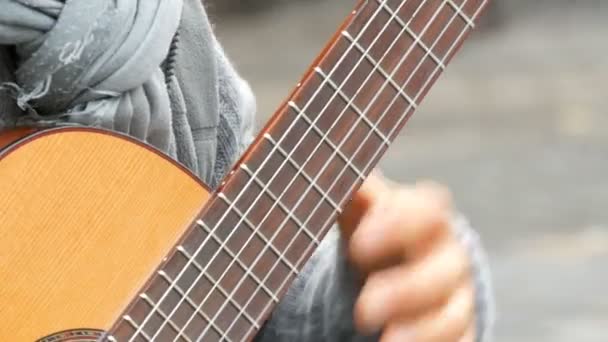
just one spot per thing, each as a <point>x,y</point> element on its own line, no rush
<point>94,62</point>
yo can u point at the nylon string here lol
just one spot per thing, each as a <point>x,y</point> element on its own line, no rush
<point>248,183</point>
<point>322,140</point>
<point>302,112</point>
<point>277,231</point>
<point>371,131</point>
<point>405,115</point>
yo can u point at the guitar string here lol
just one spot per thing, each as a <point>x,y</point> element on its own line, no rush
<point>484,1</point>
<point>389,106</point>
<point>238,286</point>
<point>324,138</point>
<point>440,63</point>
<point>277,262</point>
<point>369,133</point>
<point>392,132</point>
<point>286,187</point>
<point>243,216</point>
<point>393,101</point>
<point>139,329</point>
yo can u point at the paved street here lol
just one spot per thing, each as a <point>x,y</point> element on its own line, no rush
<point>516,127</point>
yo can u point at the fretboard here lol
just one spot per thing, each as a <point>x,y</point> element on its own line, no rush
<point>260,228</point>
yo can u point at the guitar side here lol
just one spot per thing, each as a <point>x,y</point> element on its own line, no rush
<point>86,217</point>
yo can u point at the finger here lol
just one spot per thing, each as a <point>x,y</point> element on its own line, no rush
<point>411,290</point>
<point>405,223</point>
<point>438,191</point>
<point>469,335</point>
<point>449,323</point>
<point>370,192</point>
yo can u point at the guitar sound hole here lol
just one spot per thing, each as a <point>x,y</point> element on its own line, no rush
<point>80,335</point>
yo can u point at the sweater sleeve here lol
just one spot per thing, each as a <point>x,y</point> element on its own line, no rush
<point>319,305</point>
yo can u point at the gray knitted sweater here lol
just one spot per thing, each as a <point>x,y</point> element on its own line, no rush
<point>154,70</point>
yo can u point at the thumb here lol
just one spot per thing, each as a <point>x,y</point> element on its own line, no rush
<point>369,194</point>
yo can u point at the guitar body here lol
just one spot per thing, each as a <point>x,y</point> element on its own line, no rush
<point>86,217</point>
<point>104,239</point>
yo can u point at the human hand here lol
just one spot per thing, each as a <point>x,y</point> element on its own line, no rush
<point>417,283</point>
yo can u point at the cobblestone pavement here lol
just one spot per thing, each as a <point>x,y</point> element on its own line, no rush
<point>516,127</point>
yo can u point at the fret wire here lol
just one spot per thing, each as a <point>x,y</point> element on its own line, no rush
<point>183,297</point>
<point>212,280</point>
<point>309,157</point>
<point>199,249</point>
<point>351,104</point>
<point>384,73</point>
<point>310,101</point>
<point>174,326</point>
<point>327,163</point>
<point>318,89</point>
<point>458,10</point>
<point>193,305</point>
<point>284,208</point>
<point>377,95</point>
<point>429,78</point>
<point>352,128</point>
<point>370,132</point>
<point>325,166</point>
<point>349,162</point>
<point>324,195</point>
<point>314,241</point>
<point>316,93</point>
<point>277,146</point>
<point>341,59</point>
<point>333,96</point>
<point>222,247</point>
<point>130,320</point>
<point>403,117</point>
<point>257,280</point>
<point>276,201</point>
<point>317,130</point>
<point>324,80</point>
<point>267,158</point>
<point>417,38</point>
<point>231,207</point>
<point>426,83</point>
<point>255,233</point>
<point>202,269</point>
<point>422,88</point>
<point>406,83</point>
<point>282,256</point>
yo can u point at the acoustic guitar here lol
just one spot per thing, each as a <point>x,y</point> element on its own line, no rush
<point>106,239</point>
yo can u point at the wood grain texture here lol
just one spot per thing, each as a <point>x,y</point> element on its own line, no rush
<point>85,219</point>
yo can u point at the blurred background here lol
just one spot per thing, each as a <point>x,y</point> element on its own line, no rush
<point>516,127</point>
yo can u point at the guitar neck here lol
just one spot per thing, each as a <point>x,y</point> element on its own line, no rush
<point>238,259</point>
